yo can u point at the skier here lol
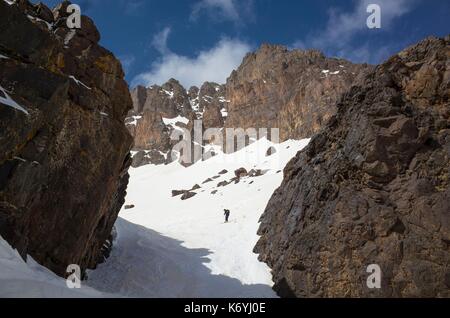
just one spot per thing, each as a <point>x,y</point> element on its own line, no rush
<point>227,215</point>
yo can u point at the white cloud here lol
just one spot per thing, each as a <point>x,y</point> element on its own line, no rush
<point>224,10</point>
<point>342,27</point>
<point>132,7</point>
<point>159,41</point>
<point>225,7</point>
<point>214,64</point>
<point>127,61</point>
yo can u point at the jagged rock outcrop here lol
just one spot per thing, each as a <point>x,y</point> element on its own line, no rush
<point>160,110</point>
<point>212,105</point>
<point>64,148</point>
<point>295,91</point>
<point>169,100</point>
<point>213,117</point>
<point>371,188</point>
<point>150,132</point>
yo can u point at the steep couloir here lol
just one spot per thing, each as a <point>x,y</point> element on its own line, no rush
<point>64,148</point>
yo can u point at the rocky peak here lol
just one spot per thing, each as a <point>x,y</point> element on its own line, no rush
<point>371,188</point>
<point>212,100</point>
<point>170,99</point>
<point>193,92</point>
<point>293,90</point>
<point>159,110</point>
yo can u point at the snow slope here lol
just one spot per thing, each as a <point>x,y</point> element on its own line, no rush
<point>195,254</point>
<point>20,279</point>
<point>166,247</point>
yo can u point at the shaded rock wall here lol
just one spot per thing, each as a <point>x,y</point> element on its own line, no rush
<point>64,160</point>
<point>371,188</point>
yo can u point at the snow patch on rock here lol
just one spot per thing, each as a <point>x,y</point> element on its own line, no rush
<point>5,99</point>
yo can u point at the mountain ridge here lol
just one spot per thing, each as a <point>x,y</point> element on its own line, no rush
<point>274,87</point>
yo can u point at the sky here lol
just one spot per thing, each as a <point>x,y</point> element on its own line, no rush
<point>195,41</point>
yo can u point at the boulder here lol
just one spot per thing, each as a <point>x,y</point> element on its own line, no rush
<point>223,184</point>
<point>270,151</point>
<point>176,193</point>
<point>240,173</point>
<point>187,195</point>
<point>207,180</point>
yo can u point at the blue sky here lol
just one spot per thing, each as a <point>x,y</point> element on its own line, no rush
<point>198,40</point>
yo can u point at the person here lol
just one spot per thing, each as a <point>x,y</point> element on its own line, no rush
<point>227,215</point>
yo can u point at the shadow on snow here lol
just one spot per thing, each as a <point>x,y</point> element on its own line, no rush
<point>143,263</point>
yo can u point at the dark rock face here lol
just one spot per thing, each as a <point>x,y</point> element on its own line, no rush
<point>212,117</point>
<point>64,159</point>
<point>150,133</point>
<point>169,100</point>
<point>294,91</point>
<point>212,105</point>
<point>371,188</point>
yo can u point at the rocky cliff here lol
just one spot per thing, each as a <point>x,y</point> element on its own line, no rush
<point>64,150</point>
<point>293,90</point>
<point>371,188</point>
